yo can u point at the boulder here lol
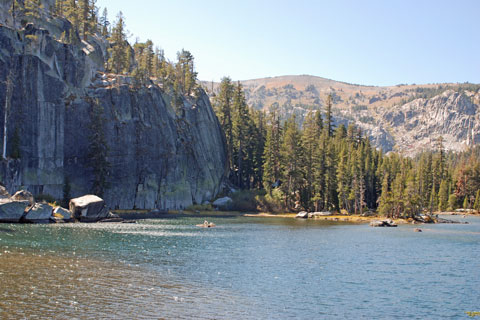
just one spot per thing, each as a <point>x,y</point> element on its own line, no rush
<point>223,203</point>
<point>4,193</point>
<point>112,217</point>
<point>63,214</point>
<point>322,213</point>
<point>383,223</point>
<point>24,195</point>
<point>39,213</point>
<point>88,208</point>
<point>376,223</point>
<point>12,211</point>
<point>302,215</point>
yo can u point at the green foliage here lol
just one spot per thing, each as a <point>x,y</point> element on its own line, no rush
<point>443,196</point>
<point>476,205</point>
<point>246,200</point>
<point>200,207</point>
<point>452,202</point>
<point>271,202</point>
<point>118,51</point>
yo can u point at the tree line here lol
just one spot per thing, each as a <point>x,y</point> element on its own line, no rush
<point>318,167</point>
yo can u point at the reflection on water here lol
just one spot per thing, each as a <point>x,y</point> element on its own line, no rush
<point>246,268</point>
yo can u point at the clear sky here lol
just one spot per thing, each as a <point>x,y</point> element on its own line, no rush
<point>377,42</point>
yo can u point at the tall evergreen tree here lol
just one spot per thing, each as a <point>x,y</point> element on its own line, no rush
<point>118,51</point>
<point>329,116</point>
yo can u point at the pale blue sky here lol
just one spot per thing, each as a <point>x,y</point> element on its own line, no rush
<point>366,42</point>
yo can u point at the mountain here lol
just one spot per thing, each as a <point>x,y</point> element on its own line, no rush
<point>70,125</point>
<point>405,118</point>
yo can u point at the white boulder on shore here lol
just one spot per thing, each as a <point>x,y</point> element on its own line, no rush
<point>88,208</point>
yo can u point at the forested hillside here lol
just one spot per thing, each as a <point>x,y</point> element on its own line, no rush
<point>323,166</point>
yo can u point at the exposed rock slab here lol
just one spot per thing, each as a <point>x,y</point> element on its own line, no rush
<point>39,213</point>
<point>12,211</point>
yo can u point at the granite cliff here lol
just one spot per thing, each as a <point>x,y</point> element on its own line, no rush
<point>161,155</point>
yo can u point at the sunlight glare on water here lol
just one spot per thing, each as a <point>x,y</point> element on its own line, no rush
<point>246,268</point>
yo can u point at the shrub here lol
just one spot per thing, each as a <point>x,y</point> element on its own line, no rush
<point>200,207</point>
<point>273,203</point>
<point>246,200</point>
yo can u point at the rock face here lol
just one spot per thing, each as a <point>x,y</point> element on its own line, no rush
<point>420,123</point>
<point>12,211</point>
<point>88,208</point>
<point>39,213</point>
<point>160,156</point>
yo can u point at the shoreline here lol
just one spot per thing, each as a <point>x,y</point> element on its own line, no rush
<point>172,214</point>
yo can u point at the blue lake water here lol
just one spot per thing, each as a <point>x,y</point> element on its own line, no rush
<point>246,268</point>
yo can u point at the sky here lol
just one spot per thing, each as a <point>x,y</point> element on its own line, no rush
<point>377,42</point>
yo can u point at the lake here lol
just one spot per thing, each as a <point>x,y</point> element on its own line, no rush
<point>245,268</point>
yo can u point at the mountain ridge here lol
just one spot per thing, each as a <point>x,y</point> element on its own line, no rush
<point>368,107</point>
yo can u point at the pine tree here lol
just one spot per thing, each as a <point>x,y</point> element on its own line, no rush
<point>272,156</point>
<point>292,154</point>
<point>476,205</point>
<point>186,71</point>
<point>443,196</point>
<point>104,23</point>
<point>385,206</point>
<point>241,129</point>
<point>118,50</point>
<point>452,202</point>
<point>329,116</point>
<point>223,106</point>
<point>310,139</point>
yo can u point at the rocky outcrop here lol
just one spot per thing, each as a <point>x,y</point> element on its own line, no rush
<point>160,156</point>
<point>450,115</point>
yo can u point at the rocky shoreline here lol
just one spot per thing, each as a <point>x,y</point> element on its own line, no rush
<point>22,208</point>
